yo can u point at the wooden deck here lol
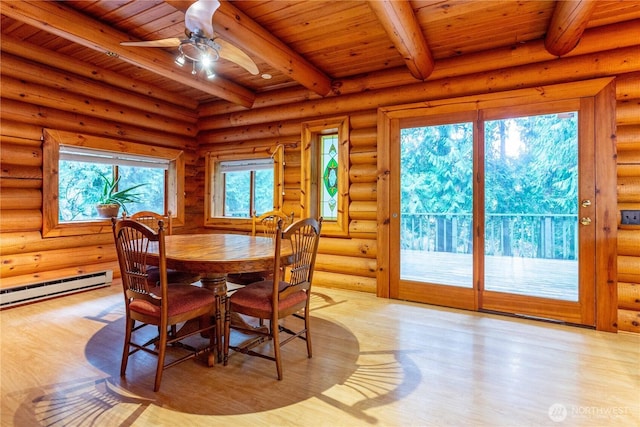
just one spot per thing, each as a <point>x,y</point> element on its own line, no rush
<point>545,278</point>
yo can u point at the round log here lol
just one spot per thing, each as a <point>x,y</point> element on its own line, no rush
<point>629,242</point>
<point>569,20</point>
<point>365,267</point>
<point>363,210</point>
<point>627,112</point>
<point>348,247</point>
<point>628,170</point>
<point>363,173</point>
<point>20,220</point>
<point>363,191</point>
<point>629,296</point>
<point>21,172</point>
<point>363,119</point>
<point>629,189</point>
<point>22,142</point>
<point>20,155</point>
<point>628,134</point>
<point>34,262</point>
<point>32,241</point>
<point>364,137</point>
<point>363,229</point>
<point>20,183</point>
<point>20,198</point>
<point>368,156</point>
<point>344,281</point>
<point>628,269</point>
<point>19,129</point>
<point>628,157</point>
<point>629,321</point>
<point>627,86</point>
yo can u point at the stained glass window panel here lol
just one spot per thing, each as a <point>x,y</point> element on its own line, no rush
<point>329,168</point>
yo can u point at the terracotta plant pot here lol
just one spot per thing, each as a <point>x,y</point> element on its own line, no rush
<point>108,211</point>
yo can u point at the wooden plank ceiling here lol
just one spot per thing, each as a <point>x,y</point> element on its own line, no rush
<point>312,44</point>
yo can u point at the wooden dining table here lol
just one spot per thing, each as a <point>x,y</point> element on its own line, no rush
<point>215,255</point>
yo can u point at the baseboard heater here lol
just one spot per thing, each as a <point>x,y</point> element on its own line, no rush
<point>53,288</point>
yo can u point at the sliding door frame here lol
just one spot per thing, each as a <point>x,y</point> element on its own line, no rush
<point>602,93</point>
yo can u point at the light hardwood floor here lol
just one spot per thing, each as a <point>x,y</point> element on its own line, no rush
<point>376,363</point>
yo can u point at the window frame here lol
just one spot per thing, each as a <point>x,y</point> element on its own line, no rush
<point>53,139</point>
<point>312,175</point>
<point>214,186</point>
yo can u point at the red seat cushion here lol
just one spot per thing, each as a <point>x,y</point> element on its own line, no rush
<point>256,297</point>
<point>182,298</point>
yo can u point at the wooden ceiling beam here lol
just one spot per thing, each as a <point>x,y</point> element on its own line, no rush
<point>569,20</point>
<point>234,26</point>
<point>402,27</point>
<point>65,22</point>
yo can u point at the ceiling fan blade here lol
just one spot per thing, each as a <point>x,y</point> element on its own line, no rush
<point>172,42</point>
<point>234,54</point>
<point>198,17</point>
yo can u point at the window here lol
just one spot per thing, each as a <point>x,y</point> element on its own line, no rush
<point>246,187</point>
<point>239,186</point>
<point>80,182</point>
<point>71,163</point>
<point>325,172</point>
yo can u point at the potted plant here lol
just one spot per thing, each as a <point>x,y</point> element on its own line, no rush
<point>111,199</point>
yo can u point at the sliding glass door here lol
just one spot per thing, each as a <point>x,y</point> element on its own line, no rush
<point>493,211</point>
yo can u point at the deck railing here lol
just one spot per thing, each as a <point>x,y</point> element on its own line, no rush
<point>519,235</point>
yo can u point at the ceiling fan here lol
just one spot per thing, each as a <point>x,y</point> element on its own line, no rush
<point>201,47</point>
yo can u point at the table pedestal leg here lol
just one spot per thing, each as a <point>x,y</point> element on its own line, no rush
<point>217,283</point>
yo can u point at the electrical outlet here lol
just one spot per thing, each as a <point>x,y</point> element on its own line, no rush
<point>630,217</point>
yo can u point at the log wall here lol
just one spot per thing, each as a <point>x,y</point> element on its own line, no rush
<point>41,96</point>
<point>628,136</point>
<point>35,96</point>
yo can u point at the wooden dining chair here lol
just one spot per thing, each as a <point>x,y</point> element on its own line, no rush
<point>161,306</point>
<point>150,219</point>
<point>267,223</point>
<point>285,295</point>
<point>262,225</point>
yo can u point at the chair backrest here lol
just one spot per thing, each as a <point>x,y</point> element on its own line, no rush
<point>268,222</point>
<point>133,243</point>
<point>303,236</point>
<point>150,219</point>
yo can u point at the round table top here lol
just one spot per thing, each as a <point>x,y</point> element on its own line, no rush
<point>219,253</point>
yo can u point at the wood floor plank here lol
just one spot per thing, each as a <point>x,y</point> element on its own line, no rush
<point>376,362</point>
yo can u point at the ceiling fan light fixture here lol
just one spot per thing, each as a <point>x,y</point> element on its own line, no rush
<point>210,74</point>
<point>180,60</point>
